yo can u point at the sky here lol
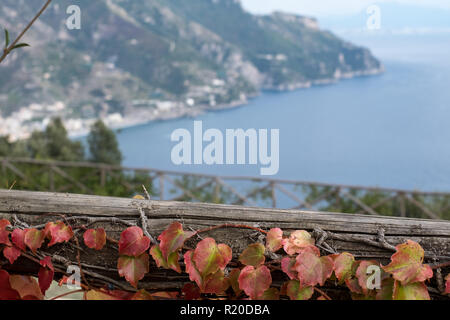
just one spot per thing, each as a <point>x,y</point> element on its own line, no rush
<point>320,8</point>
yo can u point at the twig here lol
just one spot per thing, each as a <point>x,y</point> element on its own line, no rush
<point>146,193</point>
<point>7,50</point>
<point>322,293</point>
<point>145,225</point>
<point>66,294</point>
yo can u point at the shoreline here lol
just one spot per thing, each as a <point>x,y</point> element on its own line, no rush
<point>178,113</point>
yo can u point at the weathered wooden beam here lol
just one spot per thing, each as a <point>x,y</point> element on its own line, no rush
<point>358,234</point>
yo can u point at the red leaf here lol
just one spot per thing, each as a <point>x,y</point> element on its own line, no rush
<point>172,239</point>
<point>58,232</point>
<point>191,291</point>
<point>406,264</point>
<point>274,239</point>
<point>255,281</point>
<point>133,268</point>
<point>4,234</point>
<point>26,286</point>
<point>288,267</point>
<point>95,238</point>
<point>11,253</point>
<point>295,292</point>
<point>18,237</point>
<point>6,292</point>
<point>47,263</point>
<point>353,285</point>
<point>253,255</point>
<point>312,269</point>
<point>34,238</point>
<point>45,277</point>
<point>411,291</point>
<point>297,241</point>
<point>132,242</point>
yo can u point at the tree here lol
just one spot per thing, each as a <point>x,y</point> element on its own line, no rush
<point>103,145</point>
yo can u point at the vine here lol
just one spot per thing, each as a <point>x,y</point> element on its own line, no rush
<point>209,266</point>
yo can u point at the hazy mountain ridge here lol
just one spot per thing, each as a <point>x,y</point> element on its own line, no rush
<point>164,58</point>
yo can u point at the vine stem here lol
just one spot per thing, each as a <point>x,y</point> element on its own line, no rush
<point>322,293</point>
<point>237,226</point>
<point>7,50</point>
<point>442,265</point>
<point>66,294</point>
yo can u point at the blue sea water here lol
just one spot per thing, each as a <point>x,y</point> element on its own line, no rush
<point>391,130</point>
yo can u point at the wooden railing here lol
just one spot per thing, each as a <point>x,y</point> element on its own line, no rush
<point>102,179</point>
<point>364,236</point>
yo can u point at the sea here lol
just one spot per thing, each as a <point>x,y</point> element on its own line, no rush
<point>390,130</point>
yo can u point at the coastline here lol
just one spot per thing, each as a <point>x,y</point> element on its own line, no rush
<point>21,126</point>
<point>183,111</point>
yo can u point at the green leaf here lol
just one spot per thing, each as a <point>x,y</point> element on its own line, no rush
<point>6,38</point>
<point>20,45</point>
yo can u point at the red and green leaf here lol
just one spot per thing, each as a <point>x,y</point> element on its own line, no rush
<point>209,257</point>
<point>4,233</point>
<point>312,269</point>
<point>296,292</point>
<point>253,255</point>
<point>274,240</point>
<point>406,264</point>
<point>18,239</point>
<point>411,291</point>
<point>58,232</point>
<point>133,268</point>
<point>255,282</point>
<point>95,238</point>
<point>216,283</point>
<point>364,275</point>
<point>26,286</point>
<point>6,291</point>
<point>270,294</point>
<point>233,277</point>
<point>11,253</point>
<point>288,267</point>
<point>34,238</point>
<point>297,241</point>
<point>172,239</point>
<point>343,266</point>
